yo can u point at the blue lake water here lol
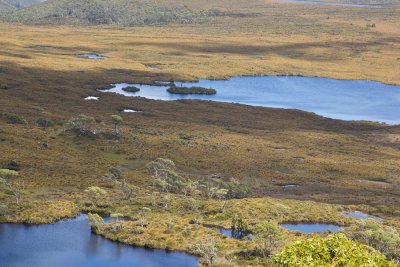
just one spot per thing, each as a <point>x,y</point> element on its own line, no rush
<point>338,99</point>
<point>311,228</point>
<point>71,244</point>
<point>332,3</point>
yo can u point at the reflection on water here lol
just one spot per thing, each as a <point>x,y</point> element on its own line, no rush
<point>71,244</point>
<point>338,99</point>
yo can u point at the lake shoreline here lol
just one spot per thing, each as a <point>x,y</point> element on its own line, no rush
<point>318,95</point>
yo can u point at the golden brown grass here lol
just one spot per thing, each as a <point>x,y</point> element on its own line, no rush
<point>333,161</point>
<point>280,39</point>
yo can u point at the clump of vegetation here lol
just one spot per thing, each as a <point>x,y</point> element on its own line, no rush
<point>195,90</point>
<point>167,179</point>
<point>114,173</point>
<point>236,189</point>
<point>42,212</point>
<point>82,125</point>
<point>128,190</point>
<point>207,250</point>
<point>117,120</point>
<point>334,250</point>
<point>131,89</point>
<point>384,238</point>
<point>268,236</point>
<point>43,119</point>
<point>240,227</point>
<point>95,194</point>
<point>13,118</point>
<point>95,221</point>
<point>6,177</point>
<point>13,165</point>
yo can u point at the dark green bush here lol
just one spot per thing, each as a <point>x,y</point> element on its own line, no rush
<point>44,122</point>
<point>16,119</point>
<point>131,89</point>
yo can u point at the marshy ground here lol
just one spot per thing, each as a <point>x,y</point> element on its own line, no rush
<point>338,166</point>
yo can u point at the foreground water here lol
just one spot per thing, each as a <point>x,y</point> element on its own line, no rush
<point>338,99</point>
<point>70,243</point>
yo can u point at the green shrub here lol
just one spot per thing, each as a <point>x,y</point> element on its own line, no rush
<point>207,250</point>
<point>95,221</point>
<point>240,227</point>
<point>167,179</point>
<point>16,119</point>
<point>333,251</point>
<point>82,126</point>
<point>268,236</point>
<point>384,238</point>
<point>131,89</point>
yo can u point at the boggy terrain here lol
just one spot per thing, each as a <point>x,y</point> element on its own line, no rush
<point>337,166</point>
<point>348,165</point>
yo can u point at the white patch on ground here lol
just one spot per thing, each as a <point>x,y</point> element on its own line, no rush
<point>127,110</point>
<point>92,98</point>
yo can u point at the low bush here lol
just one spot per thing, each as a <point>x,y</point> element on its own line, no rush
<point>16,119</point>
<point>82,126</point>
<point>384,238</point>
<point>334,250</point>
<point>131,89</point>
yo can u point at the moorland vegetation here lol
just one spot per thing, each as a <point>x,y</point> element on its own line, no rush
<point>178,170</point>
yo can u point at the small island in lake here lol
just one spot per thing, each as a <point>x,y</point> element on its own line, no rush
<point>131,89</point>
<point>191,90</point>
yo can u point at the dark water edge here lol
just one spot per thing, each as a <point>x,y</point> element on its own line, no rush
<point>70,243</point>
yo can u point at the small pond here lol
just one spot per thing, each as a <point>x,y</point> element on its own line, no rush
<point>92,56</point>
<point>338,99</point>
<point>311,227</point>
<point>331,3</point>
<point>361,215</point>
<point>289,185</point>
<point>225,232</point>
<point>229,233</point>
<point>70,243</point>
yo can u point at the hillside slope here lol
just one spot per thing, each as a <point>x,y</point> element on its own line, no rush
<point>121,12</point>
<point>7,5</point>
